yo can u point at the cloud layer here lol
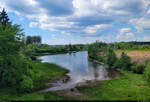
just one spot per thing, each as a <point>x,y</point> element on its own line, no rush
<point>86,18</point>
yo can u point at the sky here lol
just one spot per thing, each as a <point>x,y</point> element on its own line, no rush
<point>61,22</point>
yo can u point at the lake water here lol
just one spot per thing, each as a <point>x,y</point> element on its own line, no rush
<point>81,69</point>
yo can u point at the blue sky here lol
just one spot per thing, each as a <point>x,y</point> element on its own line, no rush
<point>81,21</point>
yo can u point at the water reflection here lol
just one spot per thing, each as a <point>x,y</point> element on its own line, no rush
<point>80,68</point>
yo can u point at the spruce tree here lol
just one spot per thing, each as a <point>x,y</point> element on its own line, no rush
<point>4,20</point>
<point>13,64</point>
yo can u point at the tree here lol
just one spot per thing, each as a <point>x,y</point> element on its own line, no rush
<point>124,62</point>
<point>33,40</point>
<point>93,50</point>
<point>110,58</point>
<point>70,47</point>
<point>13,64</point>
<point>4,19</point>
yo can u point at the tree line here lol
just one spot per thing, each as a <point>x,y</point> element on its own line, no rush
<point>106,54</point>
<point>33,40</point>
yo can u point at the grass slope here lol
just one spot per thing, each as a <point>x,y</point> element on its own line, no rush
<point>46,72</point>
<point>128,87</point>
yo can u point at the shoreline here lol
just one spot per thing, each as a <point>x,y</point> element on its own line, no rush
<point>66,78</point>
<point>49,53</point>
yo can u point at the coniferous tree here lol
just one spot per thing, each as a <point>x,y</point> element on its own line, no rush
<point>111,58</point>
<point>4,20</point>
<point>13,64</point>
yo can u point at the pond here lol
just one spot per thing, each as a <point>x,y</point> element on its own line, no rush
<point>81,69</point>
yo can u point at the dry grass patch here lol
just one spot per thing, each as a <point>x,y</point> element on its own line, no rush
<point>138,56</point>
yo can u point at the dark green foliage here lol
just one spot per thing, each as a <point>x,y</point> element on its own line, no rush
<point>135,68</point>
<point>147,72</point>
<point>33,58</point>
<point>26,84</point>
<point>118,64</point>
<point>124,62</point>
<point>11,71</point>
<point>110,58</point>
<point>43,49</point>
<point>93,50</point>
<point>33,40</point>
<point>4,20</point>
<point>13,64</point>
<point>132,45</point>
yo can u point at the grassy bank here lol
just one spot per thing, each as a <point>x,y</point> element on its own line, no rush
<point>128,87</point>
<point>46,72</point>
<point>11,95</point>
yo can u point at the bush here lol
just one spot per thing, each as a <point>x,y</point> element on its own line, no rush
<point>118,64</point>
<point>26,84</point>
<point>33,58</point>
<point>124,62</point>
<point>147,72</point>
<point>139,69</point>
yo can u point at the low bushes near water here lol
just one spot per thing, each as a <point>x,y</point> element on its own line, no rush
<point>26,85</point>
<point>110,58</point>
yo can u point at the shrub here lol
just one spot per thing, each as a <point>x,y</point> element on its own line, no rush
<point>33,58</point>
<point>139,69</point>
<point>147,72</point>
<point>118,64</point>
<point>125,62</point>
<point>26,84</point>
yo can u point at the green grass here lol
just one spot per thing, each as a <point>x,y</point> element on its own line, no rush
<point>45,72</point>
<point>41,97</point>
<point>128,87</point>
<point>11,95</point>
<point>48,70</point>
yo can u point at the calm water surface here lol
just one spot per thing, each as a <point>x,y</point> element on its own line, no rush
<point>80,69</point>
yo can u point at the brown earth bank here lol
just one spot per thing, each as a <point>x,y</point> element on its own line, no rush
<point>136,56</point>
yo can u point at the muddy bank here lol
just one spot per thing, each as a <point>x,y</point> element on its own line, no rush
<point>54,82</point>
<point>75,93</point>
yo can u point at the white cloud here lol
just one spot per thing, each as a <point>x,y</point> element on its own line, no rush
<point>148,11</point>
<point>147,38</point>
<point>95,28</point>
<point>141,23</point>
<point>125,30</point>
<point>126,34</point>
<point>33,24</point>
